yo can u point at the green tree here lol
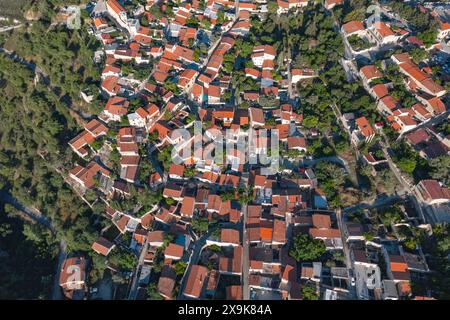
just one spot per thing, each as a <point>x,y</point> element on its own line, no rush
<point>200,225</point>
<point>418,55</point>
<point>152,292</point>
<point>309,293</point>
<point>306,248</point>
<point>125,261</point>
<point>180,267</point>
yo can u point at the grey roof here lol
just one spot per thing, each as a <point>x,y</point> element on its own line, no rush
<point>389,289</point>
<point>339,272</point>
<point>354,229</point>
<point>415,262</point>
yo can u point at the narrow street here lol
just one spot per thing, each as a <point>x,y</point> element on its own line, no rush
<point>32,213</point>
<point>245,256</point>
<point>386,147</point>
<point>348,261</point>
<point>57,292</point>
<point>194,257</point>
<point>137,272</point>
<point>379,202</point>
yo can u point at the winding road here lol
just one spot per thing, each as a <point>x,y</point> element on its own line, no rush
<point>32,213</point>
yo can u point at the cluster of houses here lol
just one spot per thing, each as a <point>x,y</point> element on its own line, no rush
<point>418,80</point>
<point>386,260</point>
<point>186,81</point>
<point>169,45</point>
<point>417,122</point>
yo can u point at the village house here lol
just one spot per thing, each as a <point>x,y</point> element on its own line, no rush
<point>72,277</point>
<point>381,33</point>
<point>353,27</point>
<point>103,246</point>
<point>173,251</point>
<point>330,4</point>
<point>195,282</point>
<point>88,176</point>
<point>166,282</point>
<point>285,5</point>
<point>369,73</point>
<point>262,53</point>
<point>432,192</point>
<point>363,131</point>
<point>115,108</point>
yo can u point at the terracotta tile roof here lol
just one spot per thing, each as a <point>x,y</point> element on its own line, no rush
<point>197,90</point>
<point>418,136</point>
<point>166,282</point>
<point>86,175</point>
<point>266,234</point>
<point>390,102</point>
<point>406,120</point>
<point>160,76</point>
<point>214,91</point>
<point>364,126</point>
<point>110,84</point>
<point>432,86</point>
<point>100,22</point>
<point>66,279</point>
<point>251,96</point>
<point>296,142</point>
<point>96,127</point>
<point>81,140</point>
<point>283,130</point>
<point>229,236</point>
<point>117,106</point>
<point>260,181</point>
<point>371,72</point>
<point>187,207</point>
<point>176,169</point>
<point>279,231</point>
<point>146,220</point>
<point>256,115</point>
<point>251,72</point>
<point>254,211</point>
<point>420,110</point>
<point>413,71</point>
<point>268,64</point>
<point>229,179</point>
<point>444,26</point>
<point>155,236</point>
<point>195,281</point>
<point>437,105</point>
<point>268,49</point>
<point>115,6</point>
<point>173,190</point>
<point>232,264</point>
<point>432,190</point>
<point>325,233</point>
<point>353,26</point>
<point>173,251</point>
<point>102,246</point>
<point>289,273</point>
<point>383,29</point>
<point>234,292</point>
<point>380,90</point>
<point>110,68</point>
<point>321,221</point>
